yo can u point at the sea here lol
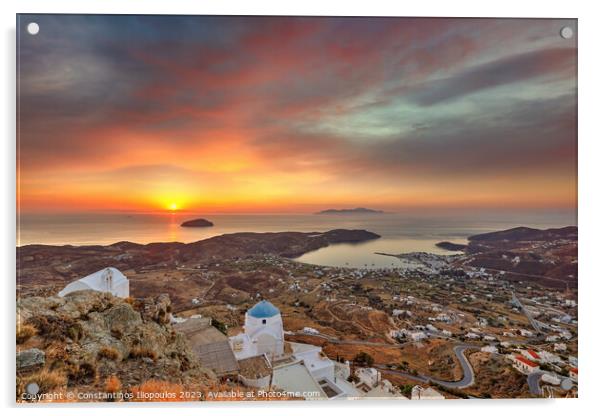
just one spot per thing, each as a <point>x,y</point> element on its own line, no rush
<point>400,232</point>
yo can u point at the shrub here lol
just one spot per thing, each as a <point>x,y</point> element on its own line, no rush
<point>112,384</point>
<point>57,327</point>
<point>141,352</point>
<point>220,326</point>
<point>363,358</point>
<point>24,332</point>
<point>83,373</point>
<point>109,353</point>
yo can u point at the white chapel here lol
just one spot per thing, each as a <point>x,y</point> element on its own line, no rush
<point>106,280</point>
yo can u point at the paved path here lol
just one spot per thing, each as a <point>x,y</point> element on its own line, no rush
<point>533,382</point>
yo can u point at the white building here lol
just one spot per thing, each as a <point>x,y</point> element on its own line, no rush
<point>548,357</point>
<point>490,349</point>
<point>296,368</point>
<point>108,280</point>
<point>551,378</point>
<point>417,335</point>
<point>530,354</point>
<point>421,393</point>
<point>526,333</point>
<point>368,376</point>
<point>263,333</point>
<point>523,364</point>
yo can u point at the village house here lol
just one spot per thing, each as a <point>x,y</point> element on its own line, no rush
<point>573,374</point>
<point>522,364</point>
<point>530,355</point>
<point>490,349</point>
<point>417,336</point>
<point>384,390</point>
<point>548,357</point>
<point>421,393</point>
<point>369,377</point>
<point>551,378</point>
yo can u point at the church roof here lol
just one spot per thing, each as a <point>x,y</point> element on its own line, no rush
<point>263,309</point>
<point>105,280</point>
<point>96,280</point>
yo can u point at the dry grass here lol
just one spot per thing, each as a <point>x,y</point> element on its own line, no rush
<point>47,380</point>
<point>159,391</point>
<point>108,353</point>
<point>24,332</point>
<point>141,352</point>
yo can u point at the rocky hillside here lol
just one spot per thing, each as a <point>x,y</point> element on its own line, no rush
<point>92,341</point>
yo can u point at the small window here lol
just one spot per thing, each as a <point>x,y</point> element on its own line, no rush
<point>263,321</point>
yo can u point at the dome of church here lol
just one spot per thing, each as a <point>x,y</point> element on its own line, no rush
<point>263,309</point>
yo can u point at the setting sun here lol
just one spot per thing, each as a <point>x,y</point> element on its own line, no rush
<point>173,206</point>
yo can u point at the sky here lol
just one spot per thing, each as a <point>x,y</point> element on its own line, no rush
<point>295,114</point>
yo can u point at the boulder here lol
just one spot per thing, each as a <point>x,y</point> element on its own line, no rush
<point>30,359</point>
<point>157,309</point>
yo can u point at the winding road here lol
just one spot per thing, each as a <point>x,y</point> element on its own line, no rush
<point>534,380</point>
<point>467,378</point>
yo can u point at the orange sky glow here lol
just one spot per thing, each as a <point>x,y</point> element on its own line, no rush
<point>278,115</point>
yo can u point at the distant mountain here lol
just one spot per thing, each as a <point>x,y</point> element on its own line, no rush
<point>351,211</point>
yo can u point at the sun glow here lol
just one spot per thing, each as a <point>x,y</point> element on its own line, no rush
<point>173,206</point>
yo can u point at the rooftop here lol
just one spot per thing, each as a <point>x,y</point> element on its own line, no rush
<point>525,361</point>
<point>263,309</point>
<point>255,367</point>
<point>210,345</point>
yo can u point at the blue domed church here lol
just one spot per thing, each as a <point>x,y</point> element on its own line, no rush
<point>263,332</point>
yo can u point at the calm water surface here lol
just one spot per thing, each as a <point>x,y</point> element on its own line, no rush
<point>400,232</point>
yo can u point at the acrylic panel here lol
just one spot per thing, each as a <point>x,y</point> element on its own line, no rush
<point>295,208</point>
